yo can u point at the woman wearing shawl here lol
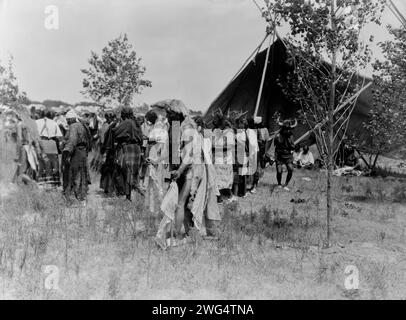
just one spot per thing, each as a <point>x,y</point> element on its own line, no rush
<point>128,136</point>
<point>196,178</point>
<point>157,161</point>
<point>204,190</point>
<point>199,192</point>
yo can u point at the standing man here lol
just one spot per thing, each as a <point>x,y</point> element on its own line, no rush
<point>284,147</point>
<point>74,159</point>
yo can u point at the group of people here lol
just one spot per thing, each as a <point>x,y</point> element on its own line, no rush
<point>181,165</point>
<point>41,143</point>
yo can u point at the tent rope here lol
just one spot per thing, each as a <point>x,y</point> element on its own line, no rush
<point>396,12</point>
<point>255,52</point>
<point>348,101</point>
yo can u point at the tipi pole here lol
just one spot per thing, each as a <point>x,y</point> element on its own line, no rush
<point>261,86</point>
<point>396,12</point>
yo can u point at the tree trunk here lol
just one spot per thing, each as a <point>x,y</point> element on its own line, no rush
<point>375,161</point>
<point>330,129</point>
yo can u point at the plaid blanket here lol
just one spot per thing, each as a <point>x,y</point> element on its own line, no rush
<point>128,160</point>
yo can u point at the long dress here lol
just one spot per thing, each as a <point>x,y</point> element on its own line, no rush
<point>223,147</point>
<point>50,134</point>
<point>129,139</point>
<point>204,191</point>
<point>157,169</point>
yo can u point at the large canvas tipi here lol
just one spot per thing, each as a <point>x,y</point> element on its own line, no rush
<point>242,93</point>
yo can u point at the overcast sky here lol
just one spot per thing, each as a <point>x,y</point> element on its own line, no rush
<point>191,48</point>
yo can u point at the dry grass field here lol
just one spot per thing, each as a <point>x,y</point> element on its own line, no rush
<point>269,245</point>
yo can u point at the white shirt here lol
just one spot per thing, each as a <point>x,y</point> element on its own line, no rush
<point>48,128</point>
<point>306,159</point>
<point>253,141</point>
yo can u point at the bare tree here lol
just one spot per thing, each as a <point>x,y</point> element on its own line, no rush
<point>326,53</point>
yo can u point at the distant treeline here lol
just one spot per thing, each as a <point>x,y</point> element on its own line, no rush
<point>57,103</point>
<point>143,108</point>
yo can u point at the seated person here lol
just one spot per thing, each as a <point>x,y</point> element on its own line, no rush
<point>296,155</point>
<point>305,159</point>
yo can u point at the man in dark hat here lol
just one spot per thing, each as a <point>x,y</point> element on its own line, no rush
<point>284,147</point>
<point>77,145</point>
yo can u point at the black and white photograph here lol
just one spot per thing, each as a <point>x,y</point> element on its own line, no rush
<point>224,152</point>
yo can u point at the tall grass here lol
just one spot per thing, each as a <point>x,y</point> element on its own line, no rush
<point>271,250</point>
<point>7,155</point>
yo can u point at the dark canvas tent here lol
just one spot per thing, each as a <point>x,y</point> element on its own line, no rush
<point>242,92</point>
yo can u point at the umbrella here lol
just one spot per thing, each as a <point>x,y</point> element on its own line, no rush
<point>173,105</point>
